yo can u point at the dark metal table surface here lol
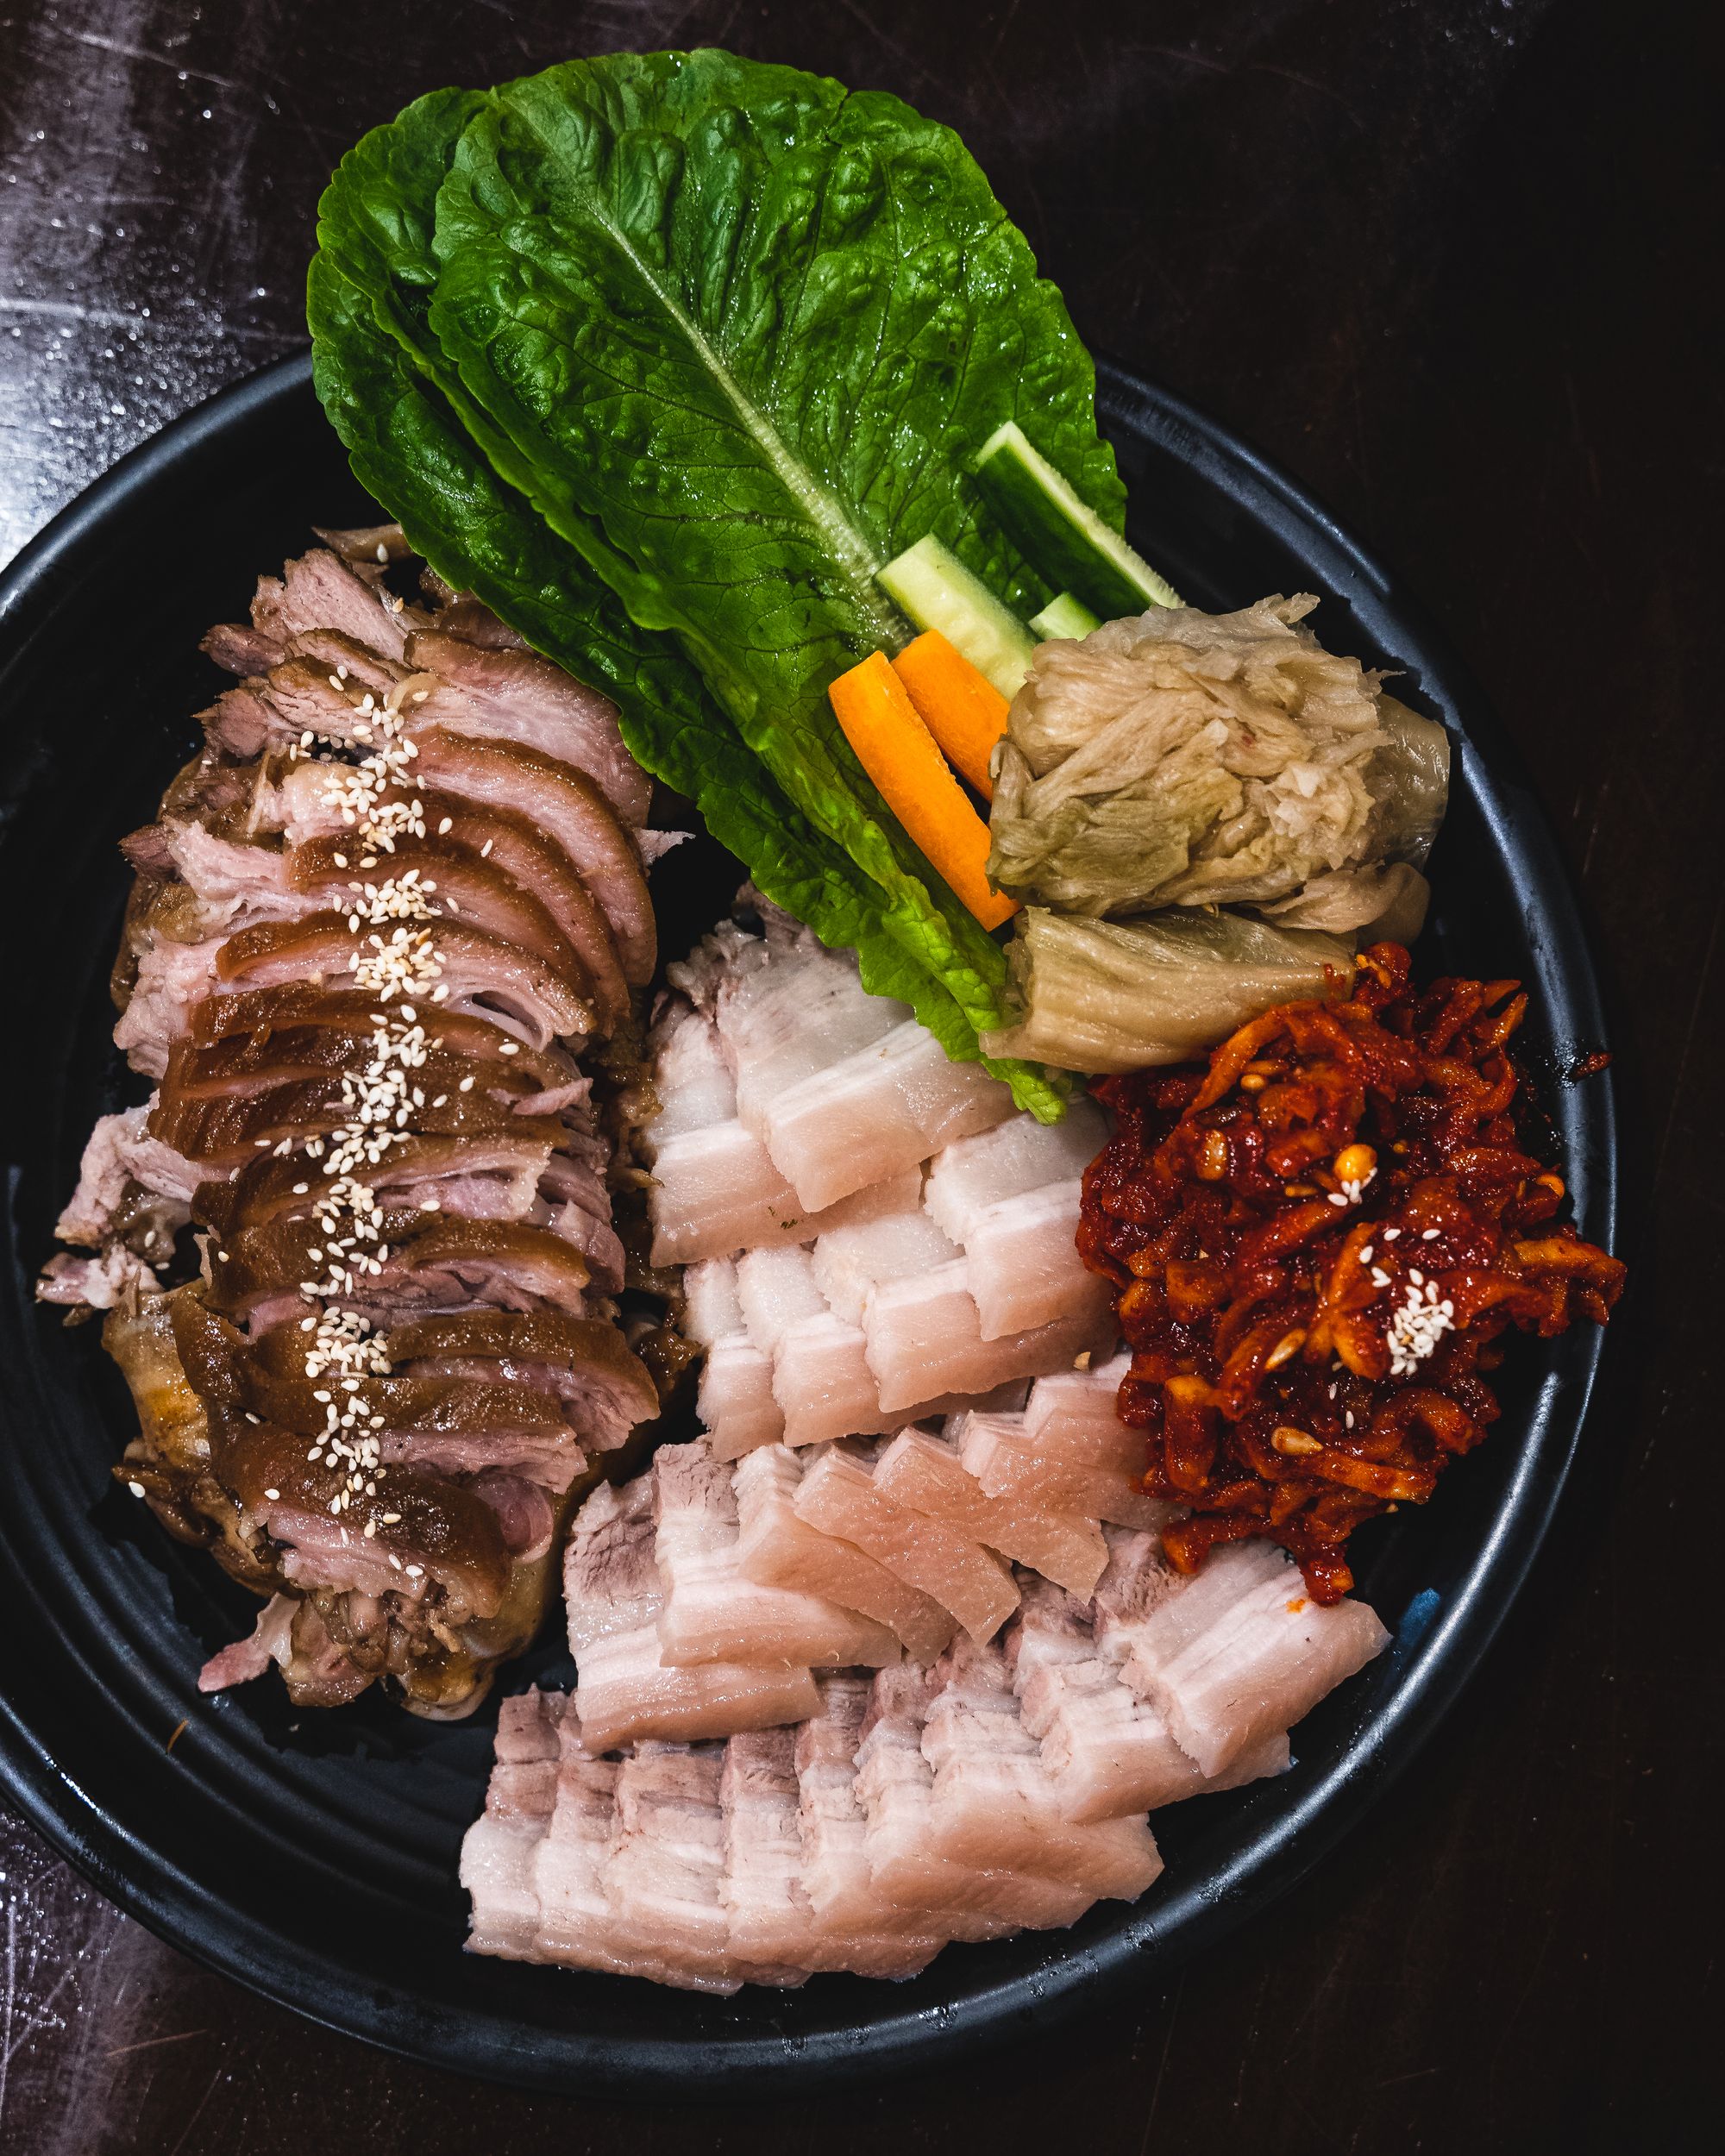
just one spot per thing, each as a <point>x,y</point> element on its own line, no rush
<point>1457,263</point>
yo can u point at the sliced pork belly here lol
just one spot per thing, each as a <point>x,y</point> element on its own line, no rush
<point>840,1496</point>
<point>994,1800</point>
<point>714,1611</point>
<point>852,1260</point>
<point>875,1113</point>
<point>927,1475</point>
<point>627,1695</point>
<point>715,1191</point>
<point>770,1924</point>
<point>583,1362</point>
<point>570,811</point>
<point>872,1935</point>
<point>1109,1754</point>
<point>711,1309</point>
<point>734,1398</point>
<point>1239,1652</point>
<point>821,1381</point>
<point>926,1339</point>
<point>779,1549</point>
<point>895,1789</point>
<point>576,1924</point>
<point>666,1865</point>
<point>499,1850</point>
<point>792,1012</point>
<point>1018,1470</point>
<point>692,1081</point>
<point>625,1692</point>
<point>514,695</point>
<point>1025,1269</point>
<point>611,1583</point>
<point>1009,1159</point>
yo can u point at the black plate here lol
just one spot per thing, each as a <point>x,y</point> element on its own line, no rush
<point>314,1857</point>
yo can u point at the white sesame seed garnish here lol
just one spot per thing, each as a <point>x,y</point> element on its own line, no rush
<point>1428,1235</point>
<point>1418,1323</point>
<point>136,1488</point>
<point>273,1495</point>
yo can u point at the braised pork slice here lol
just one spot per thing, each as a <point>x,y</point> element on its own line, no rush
<point>374,921</point>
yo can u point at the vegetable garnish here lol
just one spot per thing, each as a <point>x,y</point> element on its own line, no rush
<point>966,714</point>
<point>1318,1241</point>
<point>635,309</point>
<point>898,753</point>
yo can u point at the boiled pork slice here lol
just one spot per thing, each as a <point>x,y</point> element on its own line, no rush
<point>927,1475</point>
<point>874,1113</point>
<point>1012,1468</point>
<point>780,1549</point>
<point>840,1496</point>
<point>966,1179</point>
<point>713,1611</point>
<point>735,1399</point>
<point>499,1851</point>
<point>1023,1260</point>
<point>926,1338</point>
<point>663,1870</point>
<point>895,1790</point>
<point>851,1260</point>
<point>870,1934</point>
<point>1239,1650</point>
<point>994,1801</point>
<point>624,1691</point>
<point>1108,1753</point>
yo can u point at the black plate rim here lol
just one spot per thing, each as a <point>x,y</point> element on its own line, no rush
<point>1197,1914</point>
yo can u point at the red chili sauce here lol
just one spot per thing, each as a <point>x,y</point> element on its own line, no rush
<point>1318,1243</point>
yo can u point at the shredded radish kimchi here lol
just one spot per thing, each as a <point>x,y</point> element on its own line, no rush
<point>1319,1241</point>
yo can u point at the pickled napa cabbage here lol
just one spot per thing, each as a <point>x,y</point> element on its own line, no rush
<point>1095,996</point>
<point>1180,758</point>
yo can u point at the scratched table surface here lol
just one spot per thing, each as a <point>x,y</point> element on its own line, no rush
<point>1455,263</point>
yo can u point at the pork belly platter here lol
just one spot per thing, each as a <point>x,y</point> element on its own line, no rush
<point>928,1339</point>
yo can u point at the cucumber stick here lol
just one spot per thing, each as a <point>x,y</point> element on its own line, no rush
<point>936,590</point>
<point>1062,537</point>
<point>1065,616</point>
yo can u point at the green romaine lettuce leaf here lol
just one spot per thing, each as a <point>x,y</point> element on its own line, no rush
<point>395,402</point>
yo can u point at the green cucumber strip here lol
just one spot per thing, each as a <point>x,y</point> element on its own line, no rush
<point>1060,535</point>
<point>1065,616</point>
<point>936,590</point>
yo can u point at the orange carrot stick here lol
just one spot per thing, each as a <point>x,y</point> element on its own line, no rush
<point>961,708</point>
<point>898,754</point>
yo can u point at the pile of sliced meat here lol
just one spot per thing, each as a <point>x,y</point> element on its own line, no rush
<point>892,1655</point>
<point>872,1235</point>
<point>378,917</point>
<point>716,1804</point>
